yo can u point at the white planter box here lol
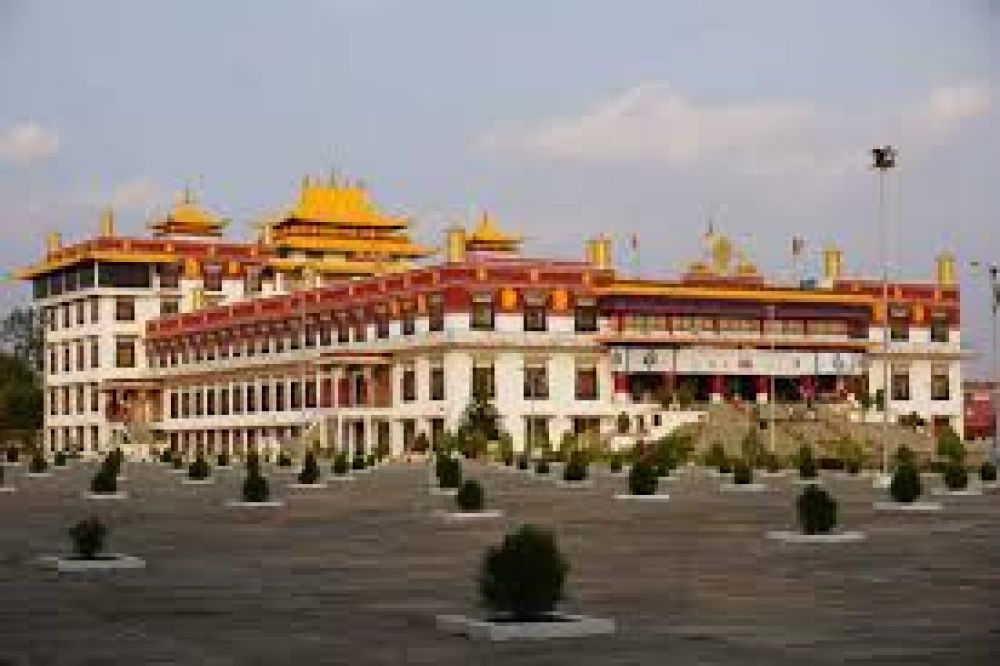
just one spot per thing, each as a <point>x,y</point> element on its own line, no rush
<point>764,474</point>
<point>7,489</point>
<point>466,516</point>
<point>319,485</point>
<point>197,482</point>
<point>908,507</point>
<point>268,503</point>
<point>585,483</point>
<point>989,485</point>
<point>341,477</point>
<point>223,467</point>
<point>832,537</point>
<point>4,463</point>
<point>881,481</point>
<point>109,562</point>
<point>38,475</point>
<point>798,481</point>
<point>437,491</point>
<point>971,491</point>
<point>629,497</point>
<point>119,495</point>
<point>178,470</point>
<point>743,487</point>
<point>561,626</point>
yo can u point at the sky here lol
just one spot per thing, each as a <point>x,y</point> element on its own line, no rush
<point>563,118</point>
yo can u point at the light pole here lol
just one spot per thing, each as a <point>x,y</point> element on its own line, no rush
<point>993,275</point>
<point>771,312</point>
<point>884,159</point>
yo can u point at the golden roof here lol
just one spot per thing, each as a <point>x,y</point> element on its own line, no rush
<point>187,218</point>
<point>341,205</point>
<point>486,236</point>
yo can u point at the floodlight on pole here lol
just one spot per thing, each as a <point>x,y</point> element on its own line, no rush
<point>883,160</point>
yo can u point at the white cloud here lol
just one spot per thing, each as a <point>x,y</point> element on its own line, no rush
<point>28,142</point>
<point>136,195</point>
<point>652,123</point>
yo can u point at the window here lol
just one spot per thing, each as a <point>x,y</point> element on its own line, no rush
<point>174,405</point>
<point>170,275</point>
<point>295,394</point>
<point>210,402</point>
<point>940,386</point>
<point>586,384</point>
<point>534,317</point>
<point>265,398</point>
<point>939,327</point>
<point>52,318</point>
<point>95,352</point>
<point>899,324</point>
<point>95,398</point>
<point>325,335</point>
<point>237,399</point>
<point>65,315</point>
<point>185,404</point>
<point>900,384</point>
<point>437,383</point>
<point>409,388</point>
<point>53,360</point>
<point>212,278</point>
<point>124,309</point>
<point>169,306</point>
<point>80,362</point>
<point>536,383</point>
<point>65,401</point>
<point>360,331</point>
<point>95,309</point>
<point>310,394</point>
<point>80,312</point>
<point>343,333</point>
<point>125,352</point>
<point>65,359</point>
<point>310,338</point>
<point>253,281</point>
<point>199,403</point>
<point>435,313</point>
<point>80,397</point>
<point>482,313</point>
<point>251,399</point>
<point>279,397</point>
<point>585,318</point>
<point>408,324</point>
<point>382,326</point>
<point>482,382</point>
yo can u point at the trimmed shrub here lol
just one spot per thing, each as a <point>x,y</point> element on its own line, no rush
<point>370,461</point>
<point>1,475</point>
<point>716,456</point>
<point>616,464</point>
<point>956,477</point>
<point>255,487</point>
<point>905,484</point>
<point>742,473</point>
<point>88,537</point>
<point>508,459</point>
<point>13,455</point>
<point>852,454</point>
<point>382,450</point>
<point>470,496</point>
<point>523,577</point>
<point>59,459</point>
<point>420,443</point>
<point>806,462</point>
<point>199,469</point>
<point>752,448</point>
<point>542,466</point>
<point>178,461</point>
<point>623,423</point>
<point>223,460</point>
<point>340,466</point>
<point>672,450</point>
<point>771,462</point>
<point>284,460</point>
<point>642,479</point>
<point>38,463</point>
<point>830,464</point>
<point>576,468</point>
<point>987,472</point>
<point>523,463</point>
<point>310,470</point>
<point>448,471</point>
<point>105,481</point>
<point>166,456</point>
<point>726,467</point>
<point>949,445</point>
<point>253,461</point>
<point>817,511</point>
<point>358,462</point>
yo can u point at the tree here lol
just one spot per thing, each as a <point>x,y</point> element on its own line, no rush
<point>21,336</point>
<point>480,417</point>
<point>950,446</point>
<point>20,395</point>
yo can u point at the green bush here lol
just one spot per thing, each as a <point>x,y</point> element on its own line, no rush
<point>752,448</point>
<point>166,456</point>
<point>726,467</point>
<point>852,454</point>
<point>616,464</point>
<point>255,487</point>
<point>253,461</point>
<point>643,479</point>
<point>1,474</point>
<point>358,462</point>
<point>672,450</point>
<point>523,463</point>
<point>420,443</point>
<point>904,456</point>
<point>199,469</point>
<point>284,460</point>
<point>470,496</point>
<point>178,461</point>
<point>524,577</point>
<point>817,511</point>
<point>742,473</point>
<point>340,466</point>
<point>370,460</point>
<point>956,477</point>
<point>576,468</point>
<point>771,462</point>
<point>310,470</point>
<point>541,466</point>
<point>38,463</point>
<point>806,462</point>
<point>987,472</point>
<point>508,459</point>
<point>105,481</point>
<point>88,537</point>
<point>949,445</point>
<point>222,460</point>
<point>59,459</point>
<point>13,455</point>
<point>449,472</point>
<point>905,484</point>
<point>716,456</point>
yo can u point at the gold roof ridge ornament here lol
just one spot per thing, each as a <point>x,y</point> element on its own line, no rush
<point>486,236</point>
<point>187,217</point>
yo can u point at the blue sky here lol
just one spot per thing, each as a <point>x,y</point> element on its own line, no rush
<point>563,118</point>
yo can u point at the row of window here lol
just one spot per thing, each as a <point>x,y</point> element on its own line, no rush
<point>73,399</point>
<point>247,399</point>
<point>78,355</point>
<point>900,385</point>
<point>85,310</point>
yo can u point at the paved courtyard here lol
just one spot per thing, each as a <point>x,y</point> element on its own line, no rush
<point>356,574</point>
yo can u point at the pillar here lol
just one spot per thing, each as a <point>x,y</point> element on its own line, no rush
<point>621,384</point>
<point>763,389</point>
<point>670,386</point>
<point>717,388</point>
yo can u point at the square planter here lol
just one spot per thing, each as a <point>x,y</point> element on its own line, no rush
<point>468,516</point>
<point>971,491</point>
<point>267,504</point>
<point>585,483</point>
<point>109,562</point>
<point>437,491</point>
<point>7,489</point>
<point>743,487</point>
<point>908,507</point>
<point>341,477</point>
<point>799,481</point>
<point>197,482</point>
<point>119,495</point>
<point>629,497</point>
<point>319,485</point>
<point>787,536</point>
<point>178,470</point>
<point>38,475</point>
<point>781,473</point>
<point>989,485</point>
<point>560,625</point>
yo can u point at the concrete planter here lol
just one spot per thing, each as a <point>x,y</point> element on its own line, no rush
<point>468,516</point>
<point>197,482</point>
<point>109,562</point>
<point>629,497</point>
<point>798,481</point>
<point>780,474</point>
<point>560,625</point>
<point>881,481</point>
<point>990,485</point>
<point>438,491</point>
<point>37,475</point>
<point>743,488</point>
<point>341,477</point>
<point>908,507</point>
<point>585,483</point>
<point>119,495</point>
<point>787,536</point>
<point>267,504</point>
<point>971,491</point>
<point>319,485</point>
<point>223,467</point>
<point>7,489</point>
<point>178,470</point>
